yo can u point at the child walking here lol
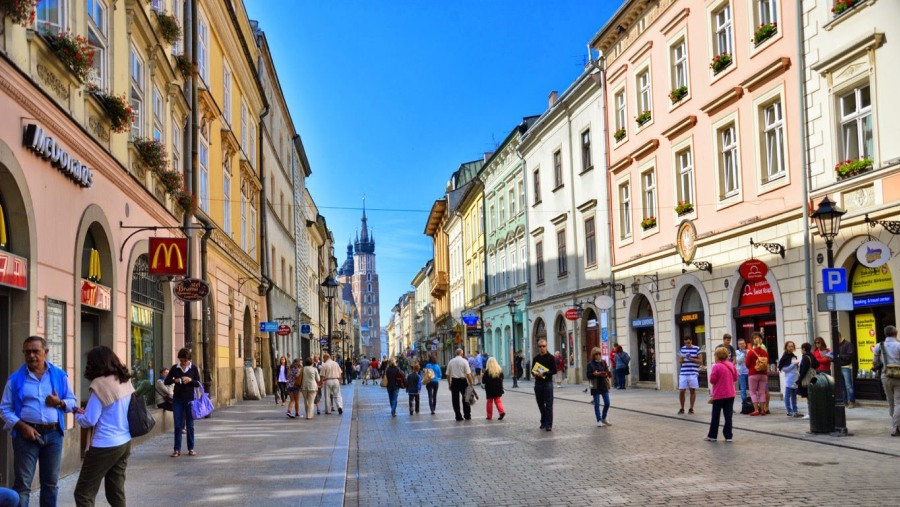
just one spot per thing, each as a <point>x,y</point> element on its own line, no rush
<point>413,386</point>
<point>493,388</point>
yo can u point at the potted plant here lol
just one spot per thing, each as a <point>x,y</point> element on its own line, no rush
<point>684,207</point>
<point>849,168</point>
<point>152,154</point>
<point>764,31</point>
<point>719,62</point>
<point>169,29</point>
<point>74,51</point>
<point>643,118</point>
<point>117,108</point>
<point>19,11</point>
<point>184,65</point>
<point>619,134</point>
<point>172,180</point>
<point>186,201</point>
<point>677,94</point>
<point>841,5</point>
<point>648,223</point>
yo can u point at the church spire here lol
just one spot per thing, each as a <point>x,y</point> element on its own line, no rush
<point>364,242</point>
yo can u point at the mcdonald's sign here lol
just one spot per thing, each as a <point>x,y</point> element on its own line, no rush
<point>168,256</point>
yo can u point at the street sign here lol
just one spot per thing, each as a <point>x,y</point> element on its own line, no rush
<point>191,289</point>
<point>283,330</point>
<point>572,314</point>
<point>753,270</point>
<point>323,341</point>
<point>834,302</point>
<point>834,280</point>
<point>268,327</point>
<point>305,329</point>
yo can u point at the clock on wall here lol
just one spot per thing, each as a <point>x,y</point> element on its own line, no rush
<point>686,241</point>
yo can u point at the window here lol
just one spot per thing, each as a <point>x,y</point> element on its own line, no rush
<point>204,171</point>
<point>539,261</point>
<point>244,126</point>
<point>586,161</point>
<point>562,264</point>
<point>494,286</point>
<point>644,99</point>
<point>625,209</point>
<point>648,180</point>
<point>97,38</point>
<point>679,65</point>
<point>590,243</point>
<point>856,124</point>
<point>773,136</point>
<point>523,259</point>
<point>537,186</point>
<point>252,239</point>
<point>203,48</point>
<point>159,5</point>
<point>521,185</point>
<point>620,109</point>
<point>50,15</point>
<point>158,114</point>
<point>252,142</point>
<point>685,163</point>
<point>226,203</point>
<point>178,12</point>
<point>226,95</point>
<point>512,203</point>
<point>492,218</point>
<point>244,207</point>
<point>504,276</point>
<point>557,169</point>
<point>728,161</point>
<point>480,222</point>
<point>513,267</point>
<point>176,147</point>
<point>369,287</point>
<point>723,38</point>
<point>766,12</point>
<point>137,93</point>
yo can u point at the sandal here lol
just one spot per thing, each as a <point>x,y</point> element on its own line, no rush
<point>192,453</point>
<point>176,454</point>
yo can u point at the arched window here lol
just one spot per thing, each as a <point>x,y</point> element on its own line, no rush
<point>540,330</point>
<point>146,319</point>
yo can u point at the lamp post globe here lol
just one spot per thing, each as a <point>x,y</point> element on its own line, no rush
<point>828,222</point>
<point>512,305</point>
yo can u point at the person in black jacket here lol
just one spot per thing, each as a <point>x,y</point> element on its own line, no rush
<point>185,377</point>
<point>807,361</point>
<point>396,381</point>
<point>493,388</point>
<point>543,384</point>
<point>598,374</point>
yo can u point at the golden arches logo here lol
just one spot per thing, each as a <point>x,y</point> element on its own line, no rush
<point>163,252</point>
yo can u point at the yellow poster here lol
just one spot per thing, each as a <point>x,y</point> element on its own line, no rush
<point>871,279</point>
<point>865,339</point>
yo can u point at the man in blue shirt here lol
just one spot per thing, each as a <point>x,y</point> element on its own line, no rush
<point>691,360</point>
<point>33,406</point>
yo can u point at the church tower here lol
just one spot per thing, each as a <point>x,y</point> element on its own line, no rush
<point>365,288</point>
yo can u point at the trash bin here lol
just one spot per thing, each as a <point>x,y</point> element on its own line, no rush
<point>821,403</point>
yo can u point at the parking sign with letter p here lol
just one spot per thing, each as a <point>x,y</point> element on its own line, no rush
<point>834,280</point>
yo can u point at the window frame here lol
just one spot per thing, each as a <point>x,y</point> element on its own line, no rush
<point>226,203</point>
<point>226,93</point>
<point>590,242</point>
<point>43,25</point>
<point>203,163</point>
<point>159,115</point>
<point>648,193</point>
<point>137,83</point>
<point>557,169</point>
<point>203,46</point>
<point>587,160</point>
<point>644,98</point>
<point>100,31</point>
<point>621,110</point>
<point>537,185</point>
<point>726,198</point>
<point>562,258</point>
<point>723,30</point>
<point>684,173</point>
<point>626,209</point>
<point>859,117</point>
<point>511,202</point>
<point>539,274</point>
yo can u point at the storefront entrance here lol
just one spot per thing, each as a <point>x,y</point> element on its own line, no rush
<point>691,323</point>
<point>591,334</point>
<point>643,327</point>
<point>756,312</point>
<point>873,309</point>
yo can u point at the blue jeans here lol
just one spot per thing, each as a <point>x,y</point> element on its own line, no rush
<point>432,388</point>
<point>620,378</point>
<point>8,498</point>
<point>601,417</point>
<point>543,394</point>
<point>743,381</point>
<point>790,400</point>
<point>848,385</point>
<point>181,410</point>
<point>27,454</point>
<point>392,395</point>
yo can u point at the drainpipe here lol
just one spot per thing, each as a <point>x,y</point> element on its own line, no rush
<point>526,343</point>
<point>804,146</point>
<point>264,260</point>
<point>191,180</point>
<point>295,335</point>
<point>204,305</point>
<point>572,208</point>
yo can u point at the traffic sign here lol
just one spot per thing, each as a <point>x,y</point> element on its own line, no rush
<point>572,314</point>
<point>283,330</point>
<point>268,327</point>
<point>835,302</point>
<point>834,280</point>
<point>305,329</point>
<point>323,341</point>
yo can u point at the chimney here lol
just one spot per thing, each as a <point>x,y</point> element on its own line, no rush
<point>551,100</point>
<point>487,155</point>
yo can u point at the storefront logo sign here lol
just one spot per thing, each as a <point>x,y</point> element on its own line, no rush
<point>193,289</point>
<point>689,317</point>
<point>13,271</point>
<point>862,301</point>
<point>645,322</point>
<point>168,256</point>
<point>753,270</point>
<point>873,254</point>
<point>96,295</point>
<point>48,148</point>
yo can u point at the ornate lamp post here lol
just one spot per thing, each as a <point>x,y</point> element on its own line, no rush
<point>329,291</point>
<point>512,357</point>
<point>828,222</point>
<point>343,324</point>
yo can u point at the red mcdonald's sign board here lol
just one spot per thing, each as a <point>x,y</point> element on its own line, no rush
<point>168,256</point>
<point>13,271</point>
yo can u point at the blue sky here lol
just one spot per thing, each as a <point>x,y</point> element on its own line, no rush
<point>391,96</point>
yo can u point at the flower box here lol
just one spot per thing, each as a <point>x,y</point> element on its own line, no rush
<point>840,6</point>
<point>720,62</point>
<point>764,32</point>
<point>684,207</point>
<point>186,201</point>
<point>648,223</point>
<point>169,29</point>
<point>173,181</point>
<point>152,154</point>
<point>850,168</point>
<point>619,134</point>
<point>677,94</point>
<point>643,118</point>
<point>19,11</point>
<point>74,51</point>
<point>117,108</point>
<point>184,65</point>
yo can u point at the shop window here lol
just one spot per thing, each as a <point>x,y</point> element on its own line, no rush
<point>146,318</point>
<point>540,330</point>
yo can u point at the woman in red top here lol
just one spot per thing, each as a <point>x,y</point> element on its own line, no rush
<point>823,355</point>
<point>758,380</point>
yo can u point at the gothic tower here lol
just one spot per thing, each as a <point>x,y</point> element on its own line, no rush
<point>365,288</point>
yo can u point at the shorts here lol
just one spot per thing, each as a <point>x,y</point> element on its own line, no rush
<point>688,382</point>
<point>477,371</point>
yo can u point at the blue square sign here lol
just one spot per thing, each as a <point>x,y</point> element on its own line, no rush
<point>834,280</point>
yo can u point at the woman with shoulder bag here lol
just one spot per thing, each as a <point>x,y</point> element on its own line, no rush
<point>623,361</point>
<point>757,364</point>
<point>790,366</point>
<point>598,373</point>
<point>808,365</point>
<point>186,378</point>
<point>294,381</point>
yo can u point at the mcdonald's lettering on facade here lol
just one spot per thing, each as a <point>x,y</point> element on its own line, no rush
<point>36,140</point>
<point>168,256</point>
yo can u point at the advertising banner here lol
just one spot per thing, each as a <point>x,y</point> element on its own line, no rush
<point>865,339</point>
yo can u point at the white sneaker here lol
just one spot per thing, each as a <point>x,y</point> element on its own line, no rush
<point>599,424</point>
<point>606,423</point>
<point>806,416</point>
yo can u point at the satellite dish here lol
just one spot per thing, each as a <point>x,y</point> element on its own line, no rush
<point>604,302</point>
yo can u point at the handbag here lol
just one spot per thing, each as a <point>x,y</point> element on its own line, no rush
<point>471,395</point>
<point>201,407</point>
<point>384,381</point>
<point>890,370</point>
<point>140,422</point>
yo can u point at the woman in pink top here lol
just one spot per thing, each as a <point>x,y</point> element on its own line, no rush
<point>722,378</point>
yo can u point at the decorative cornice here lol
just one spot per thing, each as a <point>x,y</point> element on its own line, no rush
<point>645,149</point>
<point>587,205</point>
<point>622,164</point>
<point>537,232</point>
<point>229,247</point>
<point>766,73</point>
<point>617,73</point>
<point>869,41</point>
<point>668,27</point>
<point>641,52</point>
<point>679,127</point>
<point>722,100</point>
<point>558,219</point>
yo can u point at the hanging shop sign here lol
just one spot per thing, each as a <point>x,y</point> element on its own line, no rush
<point>95,295</point>
<point>191,289</point>
<point>756,293</point>
<point>572,314</point>
<point>470,318</point>
<point>283,330</point>
<point>168,256</point>
<point>13,271</point>
<point>873,254</point>
<point>753,270</point>
<point>44,146</point>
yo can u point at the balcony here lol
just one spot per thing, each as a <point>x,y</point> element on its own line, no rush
<point>440,285</point>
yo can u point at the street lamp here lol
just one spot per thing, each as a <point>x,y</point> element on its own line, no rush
<point>512,317</point>
<point>343,323</point>
<point>828,222</point>
<point>329,291</point>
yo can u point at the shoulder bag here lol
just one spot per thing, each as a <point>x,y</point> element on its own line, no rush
<point>140,422</point>
<point>384,381</point>
<point>201,407</point>
<point>890,370</point>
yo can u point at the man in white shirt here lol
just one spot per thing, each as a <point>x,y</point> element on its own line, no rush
<point>459,376</point>
<point>331,372</point>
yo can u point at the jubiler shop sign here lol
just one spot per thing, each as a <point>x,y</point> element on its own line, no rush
<point>49,149</point>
